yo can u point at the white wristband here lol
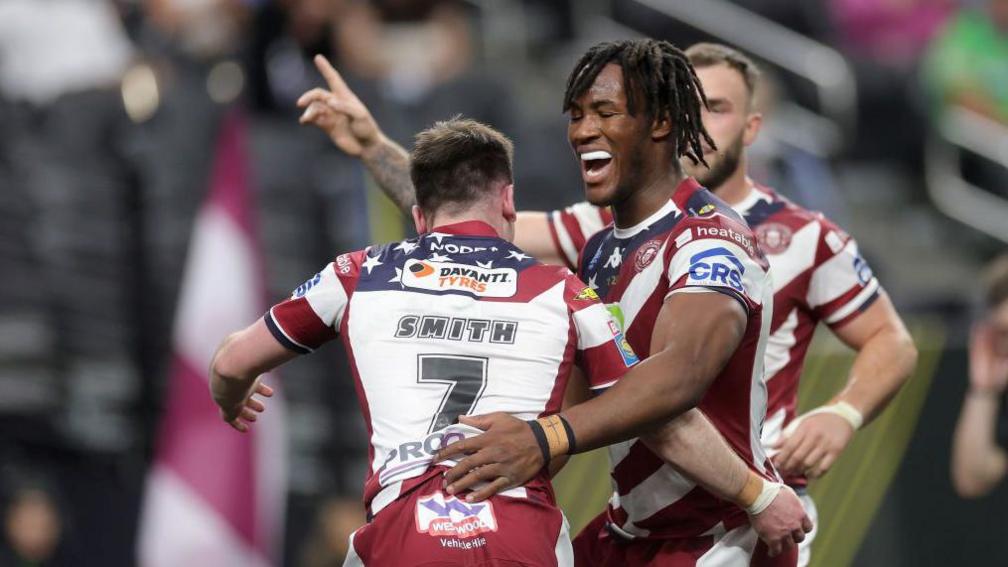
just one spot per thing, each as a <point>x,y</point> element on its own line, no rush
<point>766,496</point>
<point>842,409</point>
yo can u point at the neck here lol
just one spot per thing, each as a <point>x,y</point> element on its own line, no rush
<point>644,202</point>
<point>737,187</point>
<point>468,216</point>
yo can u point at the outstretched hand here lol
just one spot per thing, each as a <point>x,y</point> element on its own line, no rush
<point>504,456</point>
<point>243,415</point>
<point>338,112</point>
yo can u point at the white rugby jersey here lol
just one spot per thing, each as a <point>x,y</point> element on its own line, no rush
<point>818,275</point>
<point>456,322</point>
<point>694,243</point>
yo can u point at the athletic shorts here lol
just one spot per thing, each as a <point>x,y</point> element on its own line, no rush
<point>597,546</point>
<point>427,527</point>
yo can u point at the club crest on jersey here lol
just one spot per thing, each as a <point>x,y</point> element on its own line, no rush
<point>717,267</point>
<point>450,276</point>
<point>646,254</point>
<point>587,294</point>
<point>774,238</point>
<point>303,288</point>
<point>438,515</point>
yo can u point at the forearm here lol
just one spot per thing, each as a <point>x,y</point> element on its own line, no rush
<point>978,463</point>
<point>641,402</point>
<point>389,164</point>
<point>229,385</point>
<point>692,445</point>
<point>239,361</point>
<point>881,367</point>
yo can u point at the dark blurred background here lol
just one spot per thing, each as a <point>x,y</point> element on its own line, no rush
<point>891,116</point>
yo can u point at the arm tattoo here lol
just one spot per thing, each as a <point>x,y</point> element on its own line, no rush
<point>389,165</point>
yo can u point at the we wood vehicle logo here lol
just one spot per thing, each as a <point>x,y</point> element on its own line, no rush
<point>437,515</point>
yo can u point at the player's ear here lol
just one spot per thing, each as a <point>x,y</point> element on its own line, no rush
<point>753,123</point>
<point>419,220</point>
<point>661,127</point>
<point>509,211</point>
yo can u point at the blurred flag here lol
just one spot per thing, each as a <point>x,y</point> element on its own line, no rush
<point>215,496</point>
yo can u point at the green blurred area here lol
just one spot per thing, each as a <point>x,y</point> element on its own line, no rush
<point>850,494</point>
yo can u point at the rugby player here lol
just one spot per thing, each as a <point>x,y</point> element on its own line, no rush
<point>455,321</point>
<point>818,276</point>
<point>708,273</point>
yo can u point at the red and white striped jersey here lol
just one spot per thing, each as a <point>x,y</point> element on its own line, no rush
<point>570,228</point>
<point>817,273</point>
<point>455,322</point>
<point>694,243</point>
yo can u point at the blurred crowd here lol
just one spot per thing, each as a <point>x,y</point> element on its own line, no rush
<point>108,116</point>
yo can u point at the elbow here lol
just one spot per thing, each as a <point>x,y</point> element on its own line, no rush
<point>968,485</point>
<point>910,355</point>
<point>902,350</point>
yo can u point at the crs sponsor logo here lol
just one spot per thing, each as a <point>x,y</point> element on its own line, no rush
<point>438,515</point>
<point>646,254</point>
<point>717,266</point>
<point>303,288</point>
<point>449,276</point>
<point>413,457</point>
<point>727,234</point>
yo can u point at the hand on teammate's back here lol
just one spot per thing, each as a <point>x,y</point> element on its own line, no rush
<point>505,455</point>
<point>338,112</point>
<point>775,525</point>
<point>813,446</point>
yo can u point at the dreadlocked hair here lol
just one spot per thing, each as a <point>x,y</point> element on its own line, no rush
<point>662,75</point>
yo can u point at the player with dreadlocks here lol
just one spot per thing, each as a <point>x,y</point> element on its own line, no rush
<point>682,274</point>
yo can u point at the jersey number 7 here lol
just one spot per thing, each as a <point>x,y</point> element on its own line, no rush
<point>466,378</point>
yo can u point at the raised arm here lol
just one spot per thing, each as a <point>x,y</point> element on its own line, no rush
<point>978,462</point>
<point>339,113</point>
<point>343,117</point>
<point>886,356</point>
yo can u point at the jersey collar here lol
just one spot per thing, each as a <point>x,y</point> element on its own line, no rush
<point>668,208</point>
<point>467,228</point>
<point>755,195</point>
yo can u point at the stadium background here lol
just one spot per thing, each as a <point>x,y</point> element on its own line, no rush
<point>109,119</point>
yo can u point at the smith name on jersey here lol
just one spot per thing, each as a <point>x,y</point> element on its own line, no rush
<point>455,322</point>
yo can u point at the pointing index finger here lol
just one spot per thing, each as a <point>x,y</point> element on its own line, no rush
<point>331,76</point>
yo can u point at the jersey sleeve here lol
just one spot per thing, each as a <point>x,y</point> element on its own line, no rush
<point>603,353</point>
<point>312,314</point>
<point>720,257</point>
<point>842,284</point>
<point>571,227</point>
